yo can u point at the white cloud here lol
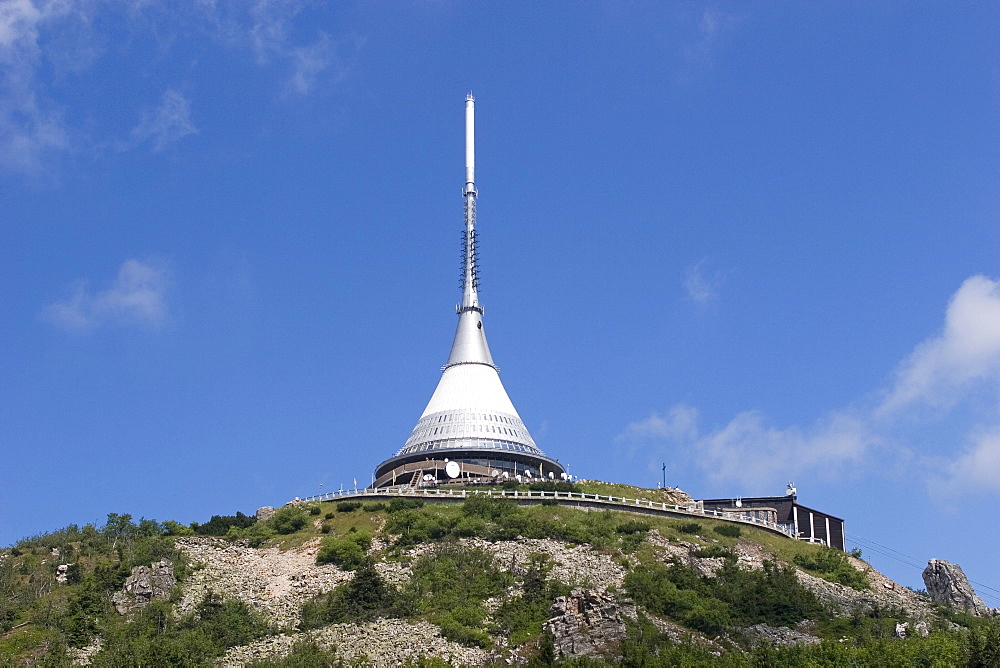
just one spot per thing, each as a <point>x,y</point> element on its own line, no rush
<point>699,53</point>
<point>680,424</point>
<point>167,123</point>
<point>42,40</point>
<point>961,364</point>
<point>30,126</point>
<point>968,349</point>
<point>702,288</point>
<point>135,297</point>
<point>751,452</point>
<point>976,469</point>
<point>310,62</point>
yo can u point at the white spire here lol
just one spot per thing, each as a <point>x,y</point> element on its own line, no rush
<point>470,340</point>
<point>469,417</point>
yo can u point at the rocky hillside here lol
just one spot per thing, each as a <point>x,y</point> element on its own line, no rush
<point>482,582</point>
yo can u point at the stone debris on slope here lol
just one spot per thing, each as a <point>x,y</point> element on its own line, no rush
<point>574,565</point>
<point>273,581</point>
<point>883,594</point>
<point>382,643</point>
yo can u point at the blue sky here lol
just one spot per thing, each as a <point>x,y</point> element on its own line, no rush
<point>757,242</point>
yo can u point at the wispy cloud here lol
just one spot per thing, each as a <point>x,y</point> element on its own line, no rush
<point>31,126</point>
<point>137,297</point>
<point>701,285</point>
<point>309,63</point>
<point>41,40</point>
<point>167,123</point>
<point>700,51</point>
<point>960,364</point>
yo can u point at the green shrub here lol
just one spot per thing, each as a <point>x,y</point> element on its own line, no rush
<point>733,597</point>
<point>688,527</point>
<point>375,507</point>
<point>520,618</point>
<point>712,551</point>
<point>633,526</point>
<point>728,530</point>
<point>404,503</point>
<point>348,506</point>
<point>325,528</point>
<point>365,597</point>
<point>347,552</point>
<point>219,524</point>
<point>314,510</point>
<point>289,519</point>
<point>328,516</point>
<point>450,584</point>
<point>831,564</point>
<point>177,529</point>
<point>489,508</point>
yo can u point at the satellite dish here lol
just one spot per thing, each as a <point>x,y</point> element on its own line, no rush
<point>452,469</point>
<point>563,476</point>
<point>739,503</point>
<point>495,474</point>
<point>552,475</point>
<point>790,490</point>
<point>428,477</point>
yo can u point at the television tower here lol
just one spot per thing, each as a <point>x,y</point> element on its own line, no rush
<point>470,428</point>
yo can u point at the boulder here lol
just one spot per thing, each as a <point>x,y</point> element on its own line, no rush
<point>588,622</point>
<point>264,513</point>
<point>145,584</point>
<point>947,584</point>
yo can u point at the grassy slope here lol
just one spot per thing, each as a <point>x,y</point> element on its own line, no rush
<point>36,616</point>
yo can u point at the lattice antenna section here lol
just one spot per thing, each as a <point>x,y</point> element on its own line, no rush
<point>470,248</point>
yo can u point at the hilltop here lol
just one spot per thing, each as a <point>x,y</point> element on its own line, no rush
<point>476,581</point>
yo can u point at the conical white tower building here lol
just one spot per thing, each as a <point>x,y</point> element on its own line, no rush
<point>470,428</point>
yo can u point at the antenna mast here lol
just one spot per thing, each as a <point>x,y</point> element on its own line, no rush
<point>470,253</point>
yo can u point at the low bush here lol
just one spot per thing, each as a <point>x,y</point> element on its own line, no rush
<point>314,510</point>
<point>375,507</point>
<point>347,552</point>
<point>328,516</point>
<point>727,530</point>
<point>348,506</point>
<point>289,519</point>
<point>712,551</point>
<point>633,526</point>
<point>219,524</point>
<point>688,527</point>
<point>450,584</point>
<point>520,618</point>
<point>831,564</point>
<point>363,598</point>
<point>404,503</point>
<point>733,597</point>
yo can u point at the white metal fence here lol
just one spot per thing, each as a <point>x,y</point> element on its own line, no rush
<point>646,506</point>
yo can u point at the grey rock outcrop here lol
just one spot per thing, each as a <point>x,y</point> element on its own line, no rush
<point>146,583</point>
<point>264,513</point>
<point>946,583</point>
<point>588,622</point>
<point>779,635</point>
